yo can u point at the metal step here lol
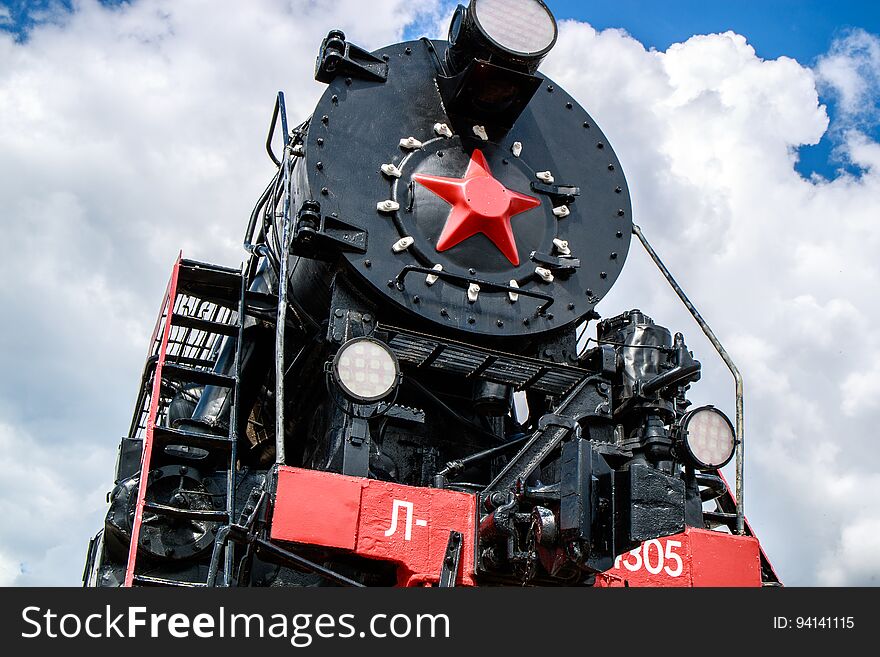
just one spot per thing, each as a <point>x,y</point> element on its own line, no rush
<point>189,375</point>
<point>221,285</point>
<point>164,436</point>
<point>206,325</point>
<point>147,580</point>
<point>188,514</point>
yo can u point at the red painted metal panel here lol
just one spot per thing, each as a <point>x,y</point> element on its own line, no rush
<point>318,508</point>
<point>696,557</point>
<point>390,522</point>
<point>166,310</point>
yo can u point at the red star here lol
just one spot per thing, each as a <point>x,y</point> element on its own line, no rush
<point>480,204</point>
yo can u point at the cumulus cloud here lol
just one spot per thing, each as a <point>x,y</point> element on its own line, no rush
<point>133,131</point>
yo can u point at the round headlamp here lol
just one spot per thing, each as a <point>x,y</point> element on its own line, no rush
<point>515,33</point>
<point>708,438</point>
<point>366,370</point>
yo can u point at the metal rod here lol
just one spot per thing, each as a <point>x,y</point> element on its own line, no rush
<point>740,517</point>
<point>281,324</point>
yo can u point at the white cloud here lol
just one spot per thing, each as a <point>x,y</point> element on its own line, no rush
<point>131,132</point>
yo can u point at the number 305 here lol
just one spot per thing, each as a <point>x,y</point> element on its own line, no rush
<point>653,557</point>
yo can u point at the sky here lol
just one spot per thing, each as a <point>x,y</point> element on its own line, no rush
<point>748,133</point>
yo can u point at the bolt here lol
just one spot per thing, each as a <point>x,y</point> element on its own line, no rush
<point>589,292</point>
<point>385,57</point>
<point>586,125</point>
<point>549,316</point>
<point>472,271</point>
<point>319,166</point>
<point>390,282</point>
<point>408,50</point>
<point>320,141</point>
<point>614,255</point>
<point>619,233</point>
<point>610,166</point>
<point>325,191</point>
<point>600,145</point>
<point>325,119</point>
<point>499,323</point>
<point>504,161</point>
<point>568,106</point>
<point>471,320</point>
<point>439,153</point>
<point>444,312</point>
<point>368,263</point>
<point>618,189</point>
<point>571,306</point>
<point>338,312</point>
<point>525,321</point>
<point>550,88</point>
<point>620,212</point>
<point>348,81</point>
<point>603,275</point>
<point>417,299</point>
<point>183,470</point>
<point>334,99</point>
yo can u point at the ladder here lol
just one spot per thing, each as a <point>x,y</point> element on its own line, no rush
<point>204,305</point>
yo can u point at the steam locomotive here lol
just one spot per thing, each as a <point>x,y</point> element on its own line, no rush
<point>397,387</point>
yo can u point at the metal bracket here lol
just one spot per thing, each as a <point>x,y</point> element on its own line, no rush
<point>451,560</point>
<point>558,264</point>
<point>339,57</point>
<point>561,194</point>
<point>322,237</point>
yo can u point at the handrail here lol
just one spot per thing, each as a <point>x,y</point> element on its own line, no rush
<point>737,377</point>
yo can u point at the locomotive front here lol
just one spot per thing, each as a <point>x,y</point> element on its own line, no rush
<point>397,388</point>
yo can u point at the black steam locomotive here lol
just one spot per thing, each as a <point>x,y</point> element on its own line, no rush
<point>397,387</point>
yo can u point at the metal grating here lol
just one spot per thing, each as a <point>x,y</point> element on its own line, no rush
<point>424,351</point>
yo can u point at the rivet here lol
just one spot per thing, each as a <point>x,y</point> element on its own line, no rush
<point>320,141</point>
<point>385,57</point>
<point>348,81</point>
<point>589,292</point>
<point>586,125</point>
<point>619,233</point>
<point>368,263</point>
<point>600,145</point>
<point>408,50</point>
<point>614,255</point>
<point>325,191</point>
<point>183,470</point>
<point>439,153</point>
<point>568,106</point>
<point>334,99</point>
<point>618,189</point>
<point>504,161</point>
<point>526,321</point>
<point>417,298</point>
<point>339,312</point>
<point>499,323</point>
<point>571,306</point>
<point>325,119</point>
<point>550,88</point>
<point>603,275</point>
<point>390,282</point>
<point>620,212</point>
<point>472,271</point>
<point>319,166</point>
<point>549,316</point>
<point>444,312</point>
<point>471,320</point>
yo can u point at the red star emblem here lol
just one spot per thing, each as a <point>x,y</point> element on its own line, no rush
<point>480,204</point>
